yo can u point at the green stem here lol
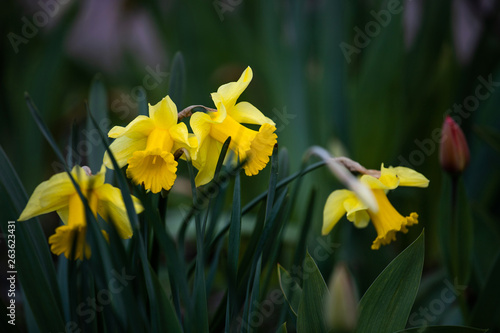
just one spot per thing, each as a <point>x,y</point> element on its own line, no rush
<point>455,244</point>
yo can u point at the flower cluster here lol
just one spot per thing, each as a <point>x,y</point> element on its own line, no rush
<point>147,146</point>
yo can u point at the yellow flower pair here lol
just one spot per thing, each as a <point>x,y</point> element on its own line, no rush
<point>147,144</point>
<point>387,221</point>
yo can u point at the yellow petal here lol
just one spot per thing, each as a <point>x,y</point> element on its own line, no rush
<point>64,214</point>
<point>407,176</point>
<point>220,115</point>
<point>206,161</point>
<point>164,113</point>
<point>137,128</point>
<point>180,135</point>
<point>123,148</point>
<point>64,238</point>
<point>112,208</point>
<point>50,195</point>
<point>200,124</point>
<point>246,113</point>
<point>334,209</point>
<point>357,212</point>
<point>374,183</point>
<point>191,147</point>
<point>87,182</point>
<point>231,91</point>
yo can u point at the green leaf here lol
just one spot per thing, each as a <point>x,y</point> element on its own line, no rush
<point>177,82</point>
<point>442,329</point>
<point>132,215</point>
<point>281,183</point>
<point>290,288</point>
<point>98,104</point>
<point>199,289</point>
<point>487,309</point>
<point>233,249</point>
<point>386,305</point>
<point>282,329</point>
<point>311,313</point>
<point>168,319</point>
<point>456,230</point>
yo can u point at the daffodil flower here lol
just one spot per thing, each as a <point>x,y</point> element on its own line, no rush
<point>59,194</point>
<point>147,145</point>
<point>387,220</point>
<point>213,128</point>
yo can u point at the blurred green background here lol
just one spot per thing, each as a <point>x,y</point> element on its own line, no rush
<point>371,80</point>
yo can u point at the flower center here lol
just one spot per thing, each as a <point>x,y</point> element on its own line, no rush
<point>159,139</point>
<point>388,221</point>
<point>155,167</point>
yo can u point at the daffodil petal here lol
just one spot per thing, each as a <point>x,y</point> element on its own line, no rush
<point>88,181</point>
<point>111,206</point>
<point>191,147</point>
<point>50,195</point>
<point>200,124</point>
<point>231,91</point>
<point>179,133</point>
<point>64,214</point>
<point>373,183</point>
<point>407,176</point>
<point>123,148</point>
<point>334,209</point>
<point>221,114</point>
<point>164,113</point>
<point>356,212</point>
<point>139,127</point>
<point>246,113</point>
<point>206,161</point>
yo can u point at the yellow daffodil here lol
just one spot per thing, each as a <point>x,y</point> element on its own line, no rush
<point>387,220</point>
<point>213,128</point>
<point>147,145</point>
<point>59,194</point>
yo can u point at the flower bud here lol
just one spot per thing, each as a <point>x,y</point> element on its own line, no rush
<point>341,307</point>
<point>454,151</point>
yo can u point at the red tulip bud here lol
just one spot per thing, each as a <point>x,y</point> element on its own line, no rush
<point>454,151</point>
